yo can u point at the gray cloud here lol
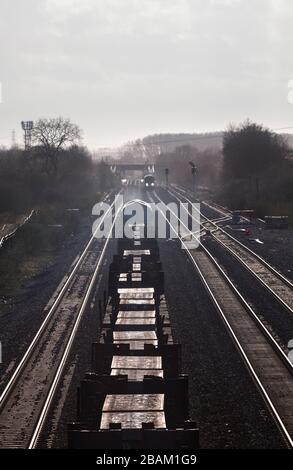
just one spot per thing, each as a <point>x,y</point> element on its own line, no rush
<point>125,68</point>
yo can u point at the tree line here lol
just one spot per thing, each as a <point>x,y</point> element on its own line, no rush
<point>252,169</point>
<point>257,170</point>
<point>56,171</point>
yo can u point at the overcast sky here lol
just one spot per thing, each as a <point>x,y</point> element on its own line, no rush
<point>123,69</point>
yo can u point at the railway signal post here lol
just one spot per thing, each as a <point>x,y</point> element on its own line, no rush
<point>167,177</point>
<point>193,173</point>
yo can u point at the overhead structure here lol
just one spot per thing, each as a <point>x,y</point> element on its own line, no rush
<point>122,167</point>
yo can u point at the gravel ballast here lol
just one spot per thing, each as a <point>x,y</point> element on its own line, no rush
<point>223,399</point>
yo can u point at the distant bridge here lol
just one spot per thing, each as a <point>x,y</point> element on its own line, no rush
<point>122,167</point>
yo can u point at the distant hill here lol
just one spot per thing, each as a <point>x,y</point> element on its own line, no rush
<point>168,142</point>
<point>152,145</point>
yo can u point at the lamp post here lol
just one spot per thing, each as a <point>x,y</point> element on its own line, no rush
<point>27,127</point>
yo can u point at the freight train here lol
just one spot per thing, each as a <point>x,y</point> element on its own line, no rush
<point>135,396</point>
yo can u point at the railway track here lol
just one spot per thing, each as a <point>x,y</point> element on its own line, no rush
<point>277,284</point>
<point>135,373</point>
<point>268,365</point>
<point>26,399</point>
<point>213,206</point>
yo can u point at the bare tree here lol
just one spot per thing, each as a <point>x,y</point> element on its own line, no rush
<point>52,136</point>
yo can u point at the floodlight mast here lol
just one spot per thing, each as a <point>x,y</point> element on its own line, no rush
<point>27,127</point>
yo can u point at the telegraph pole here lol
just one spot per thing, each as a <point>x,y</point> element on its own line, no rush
<point>13,139</point>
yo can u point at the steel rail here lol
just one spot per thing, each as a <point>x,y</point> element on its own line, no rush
<point>267,336</point>
<point>51,393</point>
<point>259,259</point>
<point>6,392</point>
